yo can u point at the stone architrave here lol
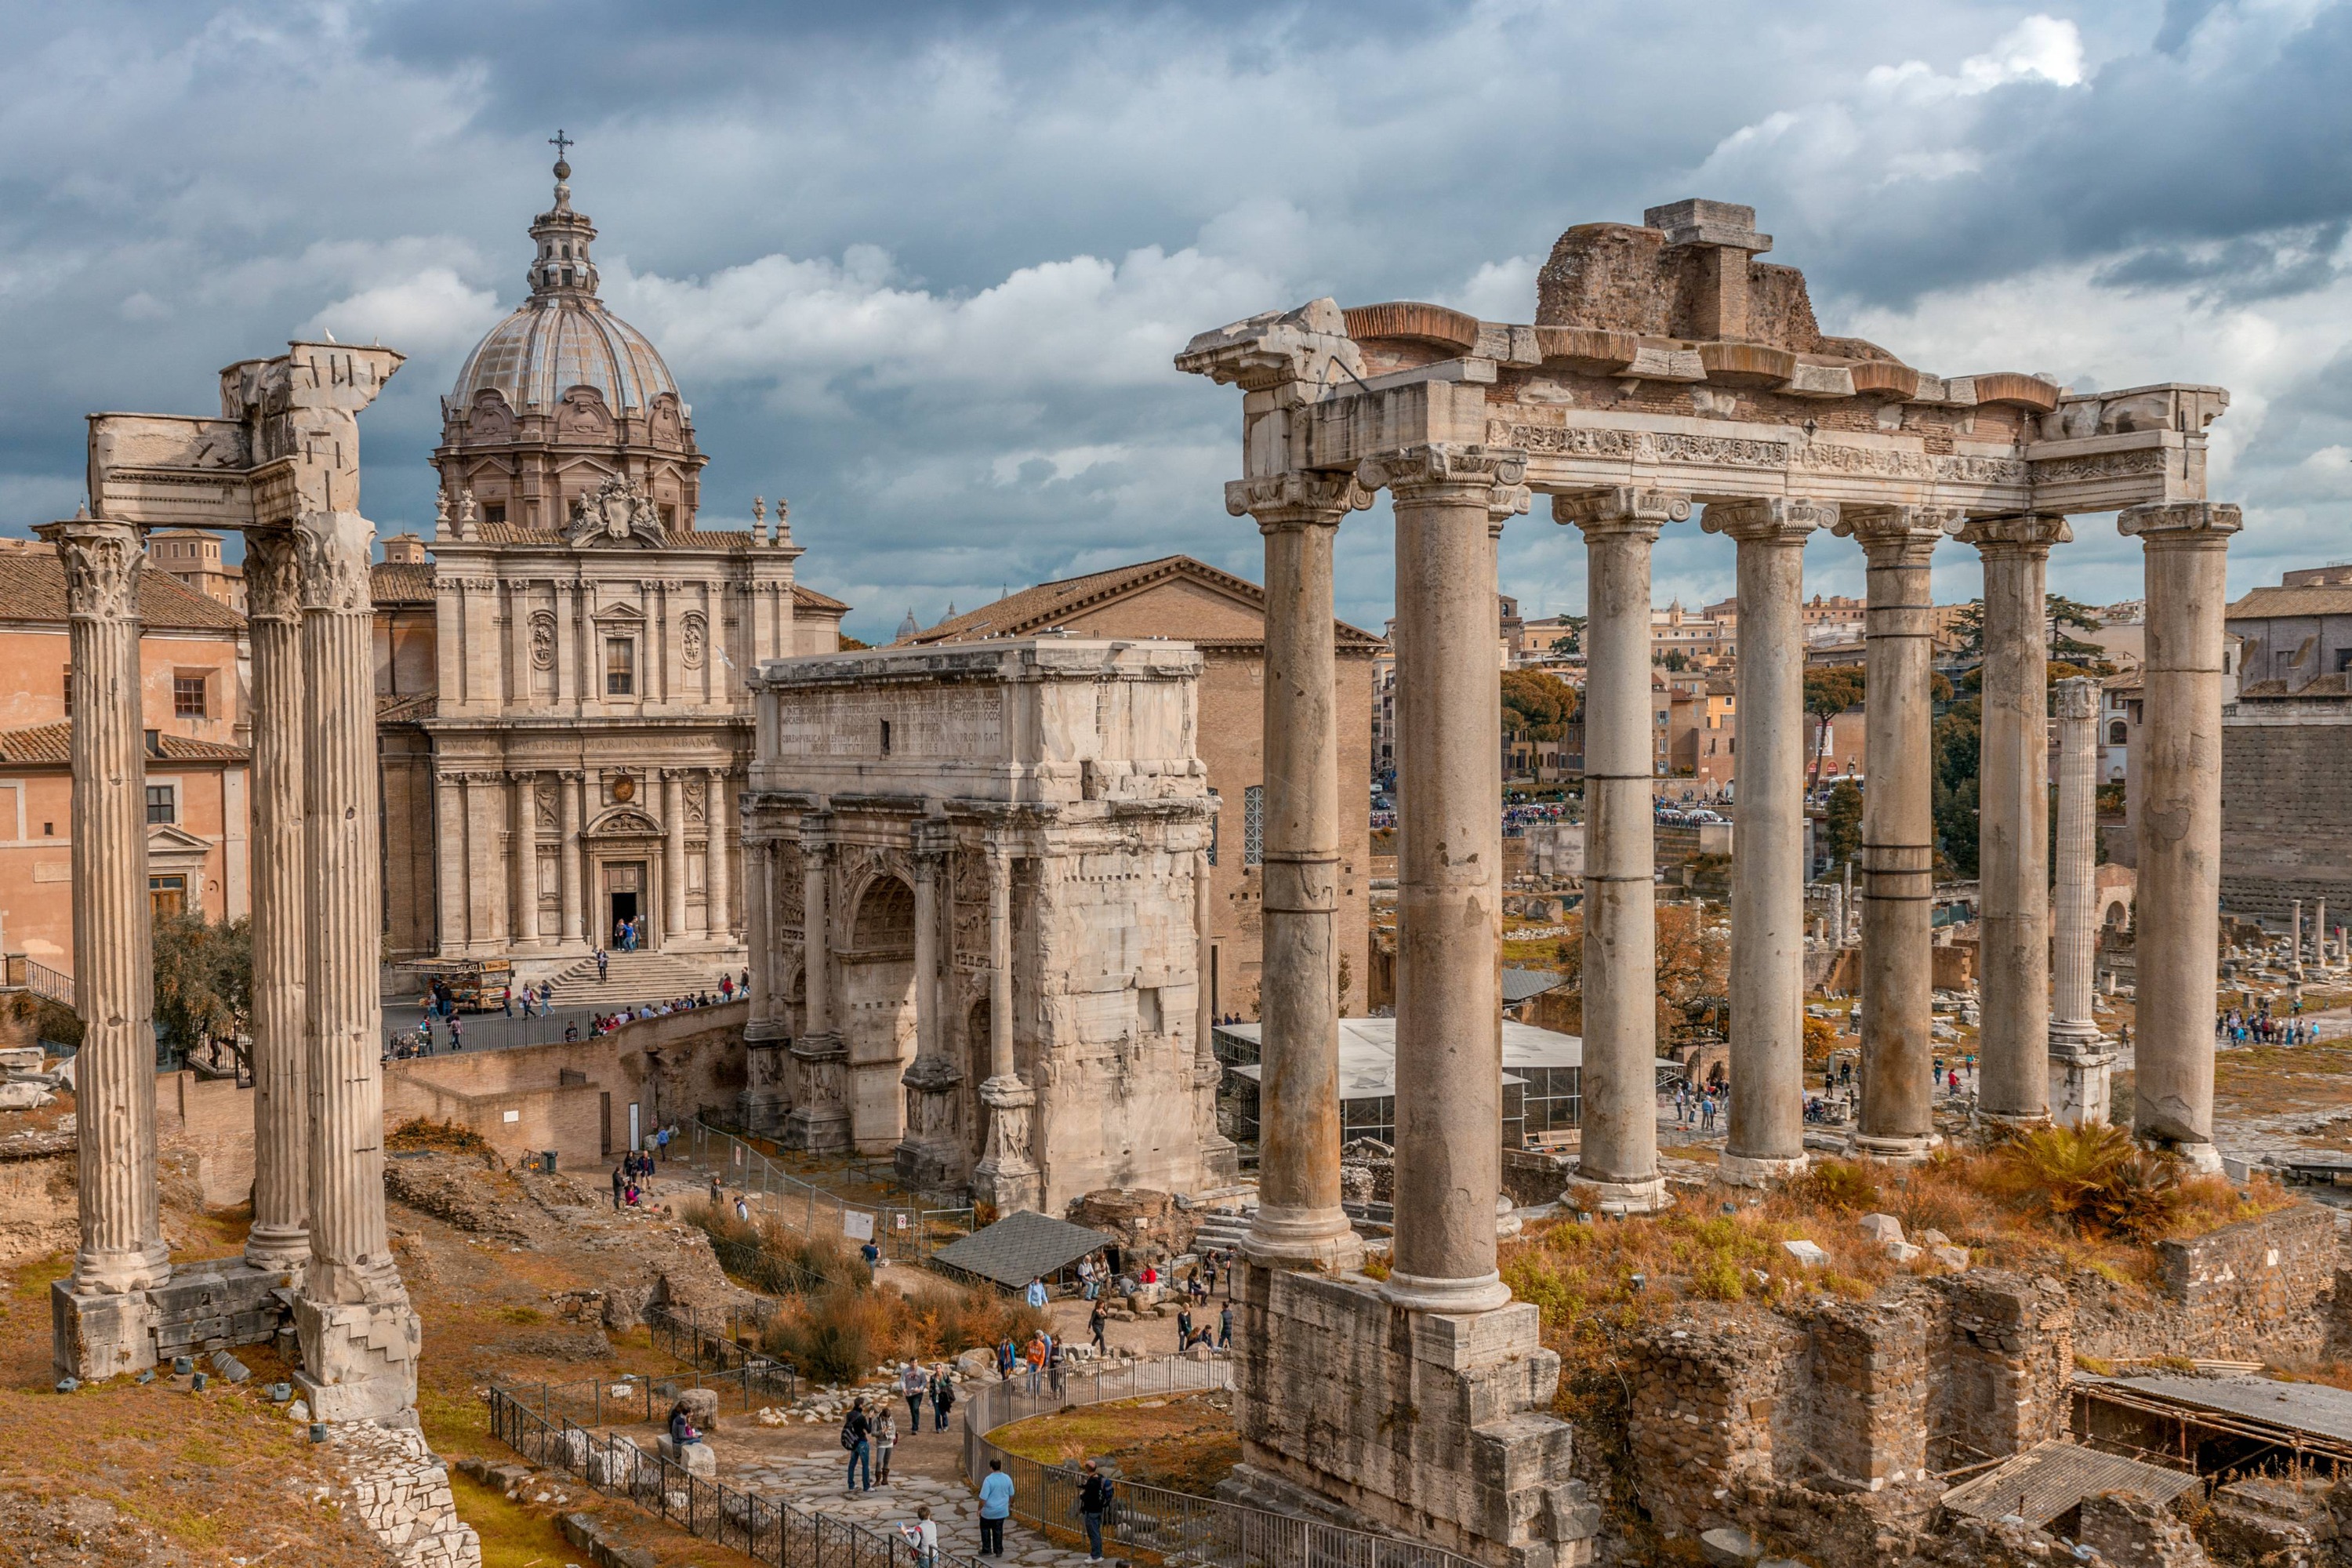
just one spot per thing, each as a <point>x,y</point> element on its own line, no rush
<point>2079,1063</point>
<point>280,1240</point>
<point>1300,1222</point>
<point>1449,881</point>
<point>102,1314</point>
<point>358,1335</point>
<point>1766,1139</point>
<point>2013,1066</point>
<point>1899,850</point>
<point>932,1155</point>
<point>2185,547</point>
<point>819,1116</point>
<point>1617,1165</point>
<point>1007,1173</point>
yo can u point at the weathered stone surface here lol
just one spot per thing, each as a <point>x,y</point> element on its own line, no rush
<point>1880,1227</point>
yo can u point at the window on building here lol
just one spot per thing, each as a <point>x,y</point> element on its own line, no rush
<point>66,681</point>
<point>188,696</point>
<point>162,803</point>
<point>885,736</point>
<point>495,511</point>
<point>166,895</point>
<point>2343,659</point>
<point>620,667</point>
<point>1253,826</point>
<point>2117,733</point>
<point>1214,799</point>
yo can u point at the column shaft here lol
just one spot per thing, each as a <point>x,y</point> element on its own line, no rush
<point>449,881</point>
<point>816,925</point>
<point>567,870</point>
<point>1000,964</point>
<point>121,1246</point>
<point>1897,831</point>
<point>759,923</point>
<point>1768,848</point>
<point>2185,549</point>
<point>526,843</point>
<point>673,855</point>
<point>717,881</point>
<point>1300,1222</point>
<point>1618,1163</point>
<point>279,1238</point>
<point>1007,1173</point>
<point>2013,803</point>
<point>2074,914</point>
<point>1449,906</point>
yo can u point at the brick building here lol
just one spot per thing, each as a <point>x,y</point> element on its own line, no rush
<point>2286,796</point>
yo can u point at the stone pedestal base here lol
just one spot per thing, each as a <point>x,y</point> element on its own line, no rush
<point>767,1080</point>
<point>204,1306</point>
<point>819,1122</point>
<point>1220,1161</point>
<point>1006,1175</point>
<point>1433,1426</point>
<point>1615,1197</point>
<point>2202,1158</point>
<point>98,1336</point>
<point>1905,1150</point>
<point>1758,1171</point>
<point>2081,1086</point>
<point>359,1360</point>
<point>1303,1238</point>
<point>933,1153</point>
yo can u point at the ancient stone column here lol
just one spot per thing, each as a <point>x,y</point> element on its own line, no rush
<point>2294,939</point>
<point>719,833</point>
<point>1007,1175</point>
<point>450,882</point>
<point>2079,1066</point>
<point>359,1336</point>
<point>526,842</point>
<point>567,801</point>
<point>280,1240</point>
<point>1618,1164</point>
<point>2013,805</point>
<point>1768,847</point>
<point>820,1115</point>
<point>122,1247</point>
<point>1898,853</point>
<point>1449,883</point>
<point>929,1154</point>
<point>1300,1222</point>
<point>2185,549</point>
<point>1220,1159</point>
<point>673,855</point>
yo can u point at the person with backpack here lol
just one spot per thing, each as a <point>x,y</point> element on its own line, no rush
<point>857,1440</point>
<point>942,1396</point>
<point>1094,1503</point>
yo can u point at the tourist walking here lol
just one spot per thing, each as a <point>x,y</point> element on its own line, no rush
<point>912,1384</point>
<point>995,1507</point>
<point>1095,1321</point>
<point>1226,1328</point>
<point>886,1437</point>
<point>1093,1502</point>
<point>923,1536</point>
<point>620,1180</point>
<point>857,1438</point>
<point>942,1396</point>
<point>1036,1292</point>
<point>604,965</point>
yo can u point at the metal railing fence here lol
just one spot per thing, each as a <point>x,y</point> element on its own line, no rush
<point>769,1531</point>
<point>716,1344</point>
<point>1176,1527</point>
<point>906,1233</point>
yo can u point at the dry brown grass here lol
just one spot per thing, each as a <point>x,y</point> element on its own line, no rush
<point>1187,1443</point>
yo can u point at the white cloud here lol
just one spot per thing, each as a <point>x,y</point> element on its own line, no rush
<point>432,312</point>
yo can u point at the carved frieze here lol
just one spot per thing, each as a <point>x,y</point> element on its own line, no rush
<point>1669,448</point>
<point>2101,466</point>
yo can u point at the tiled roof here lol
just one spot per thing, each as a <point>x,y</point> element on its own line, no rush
<point>1050,603</point>
<point>737,541</point>
<point>402,583</point>
<point>2260,603</point>
<point>406,710</point>
<point>33,588</point>
<point>54,742</point>
<point>804,598</point>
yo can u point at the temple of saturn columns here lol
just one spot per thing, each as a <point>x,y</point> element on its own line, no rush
<point>280,463</point>
<point>1669,376</point>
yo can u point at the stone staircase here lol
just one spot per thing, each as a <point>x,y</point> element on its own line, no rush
<point>1222,1228</point>
<point>635,977</point>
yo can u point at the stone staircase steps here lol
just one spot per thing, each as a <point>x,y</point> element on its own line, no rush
<point>636,977</point>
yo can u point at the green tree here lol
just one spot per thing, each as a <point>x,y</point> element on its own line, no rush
<point>1957,754</point>
<point>1842,824</point>
<point>1677,661</point>
<point>1967,629</point>
<point>1535,706</point>
<point>1828,691</point>
<point>203,980</point>
<point>2062,612</point>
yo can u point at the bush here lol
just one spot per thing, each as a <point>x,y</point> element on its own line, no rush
<point>835,1335</point>
<point>1837,1187</point>
<point>2095,1179</point>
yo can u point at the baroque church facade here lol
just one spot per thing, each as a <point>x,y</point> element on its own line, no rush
<point>562,718</point>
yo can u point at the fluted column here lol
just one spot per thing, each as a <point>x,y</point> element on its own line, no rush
<point>1300,1222</point>
<point>2014,806</point>
<point>2185,549</point>
<point>673,855</point>
<point>2079,1066</point>
<point>931,1152</point>
<point>526,842</point>
<point>121,1246</point>
<point>1768,847</point>
<point>1898,836</point>
<point>1618,1162</point>
<point>2294,940</point>
<point>719,838</point>
<point>567,870</point>
<point>279,1239</point>
<point>819,1116</point>
<point>759,925</point>
<point>1449,903</point>
<point>1007,1173</point>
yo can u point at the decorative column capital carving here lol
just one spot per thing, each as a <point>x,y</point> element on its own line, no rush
<point>1443,465</point>
<point>571,775</point>
<point>816,845</point>
<point>929,842</point>
<point>273,585</point>
<point>1628,509</point>
<point>1295,496</point>
<point>2181,523</point>
<point>102,561</point>
<point>1909,534</point>
<point>332,551</point>
<point>1774,519</point>
<point>2027,532</point>
<point>2077,697</point>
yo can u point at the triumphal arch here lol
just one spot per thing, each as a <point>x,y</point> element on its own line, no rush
<point>1669,379</point>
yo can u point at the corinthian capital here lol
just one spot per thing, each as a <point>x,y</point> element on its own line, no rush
<point>1439,464</point>
<point>272,575</point>
<point>102,563</point>
<point>1297,495</point>
<point>2077,697</point>
<point>332,548</point>
<point>1627,509</point>
<point>2180,521</point>
<point>1770,520</point>
<point>1911,531</point>
<point>2031,532</point>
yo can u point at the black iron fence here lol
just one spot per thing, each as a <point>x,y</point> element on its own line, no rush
<point>905,1230</point>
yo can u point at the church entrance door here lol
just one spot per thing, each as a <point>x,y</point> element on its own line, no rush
<point>626,901</point>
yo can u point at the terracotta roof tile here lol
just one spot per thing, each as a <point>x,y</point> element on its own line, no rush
<point>806,598</point>
<point>2318,600</point>
<point>54,743</point>
<point>33,588</point>
<point>402,583</point>
<point>1049,605</point>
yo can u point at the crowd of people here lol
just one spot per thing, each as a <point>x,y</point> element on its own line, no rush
<point>2260,1026</point>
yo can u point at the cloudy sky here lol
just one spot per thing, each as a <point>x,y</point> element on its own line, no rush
<point>921,266</point>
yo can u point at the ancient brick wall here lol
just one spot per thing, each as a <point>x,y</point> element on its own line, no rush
<point>1862,1389</point>
<point>2282,841</point>
<point>2001,1368</point>
<point>1712,1405</point>
<point>2256,1284</point>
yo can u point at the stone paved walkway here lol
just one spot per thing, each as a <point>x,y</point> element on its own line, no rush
<point>812,1482</point>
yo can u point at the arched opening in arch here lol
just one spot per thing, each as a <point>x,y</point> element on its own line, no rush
<point>877,1012</point>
